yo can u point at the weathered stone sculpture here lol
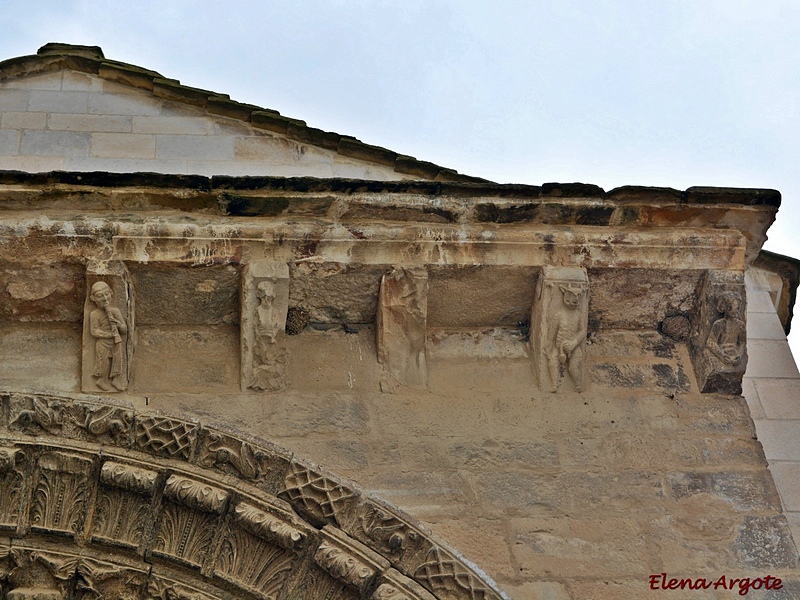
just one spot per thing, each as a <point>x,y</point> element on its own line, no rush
<point>265,302</point>
<point>401,325</point>
<point>559,321</point>
<point>108,318</point>
<point>719,337</point>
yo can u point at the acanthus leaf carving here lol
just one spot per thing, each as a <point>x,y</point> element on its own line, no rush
<point>11,478</point>
<point>195,494</point>
<point>344,566</point>
<point>389,592</point>
<point>127,477</point>
<point>269,527</point>
<point>254,562</point>
<point>189,522</point>
<point>120,517</point>
<point>61,493</point>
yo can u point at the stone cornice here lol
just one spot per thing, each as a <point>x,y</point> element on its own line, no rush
<point>349,211</point>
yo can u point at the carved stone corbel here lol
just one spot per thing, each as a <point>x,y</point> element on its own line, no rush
<point>401,324</point>
<point>719,336</point>
<point>559,321</point>
<point>108,325</point>
<point>265,303</point>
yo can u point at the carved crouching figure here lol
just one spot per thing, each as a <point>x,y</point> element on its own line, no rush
<point>107,326</point>
<point>568,330</point>
<point>727,338</point>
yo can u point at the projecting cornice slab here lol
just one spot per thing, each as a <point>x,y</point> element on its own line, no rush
<point>463,215</point>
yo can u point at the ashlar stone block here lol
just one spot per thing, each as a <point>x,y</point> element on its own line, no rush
<point>108,322</point>
<point>401,324</point>
<point>559,321</point>
<point>719,333</point>
<point>265,303</point>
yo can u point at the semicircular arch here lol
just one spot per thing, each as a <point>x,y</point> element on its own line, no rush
<point>98,500</point>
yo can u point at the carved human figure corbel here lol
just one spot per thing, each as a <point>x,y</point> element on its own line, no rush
<point>570,333</point>
<point>265,302</point>
<point>727,338</point>
<point>718,342</point>
<point>559,321</point>
<point>108,325</point>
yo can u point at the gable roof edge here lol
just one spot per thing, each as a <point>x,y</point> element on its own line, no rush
<point>90,59</point>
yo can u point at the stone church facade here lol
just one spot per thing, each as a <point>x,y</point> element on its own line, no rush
<point>241,357</point>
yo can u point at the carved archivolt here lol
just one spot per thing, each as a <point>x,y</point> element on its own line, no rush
<point>151,506</point>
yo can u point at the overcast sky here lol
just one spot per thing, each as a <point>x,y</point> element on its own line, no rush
<point>647,92</point>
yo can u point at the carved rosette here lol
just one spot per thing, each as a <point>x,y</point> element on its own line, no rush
<point>61,493</point>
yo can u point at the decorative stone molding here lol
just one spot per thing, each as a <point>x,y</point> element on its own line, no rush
<point>269,527</point>
<point>265,303</point>
<point>719,334</point>
<point>395,586</point>
<point>401,325</point>
<point>347,560</point>
<point>62,492</point>
<point>140,481</point>
<point>110,507</point>
<point>108,328</point>
<point>559,321</point>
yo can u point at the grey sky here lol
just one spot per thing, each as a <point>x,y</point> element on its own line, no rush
<point>670,93</point>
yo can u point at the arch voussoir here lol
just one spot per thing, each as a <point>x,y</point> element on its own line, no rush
<point>100,500</point>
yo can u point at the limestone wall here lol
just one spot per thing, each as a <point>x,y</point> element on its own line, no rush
<point>566,495</point>
<point>72,121</point>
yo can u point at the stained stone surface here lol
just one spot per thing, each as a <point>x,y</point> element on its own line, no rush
<point>582,493</point>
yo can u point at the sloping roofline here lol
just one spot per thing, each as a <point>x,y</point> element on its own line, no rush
<point>90,59</point>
